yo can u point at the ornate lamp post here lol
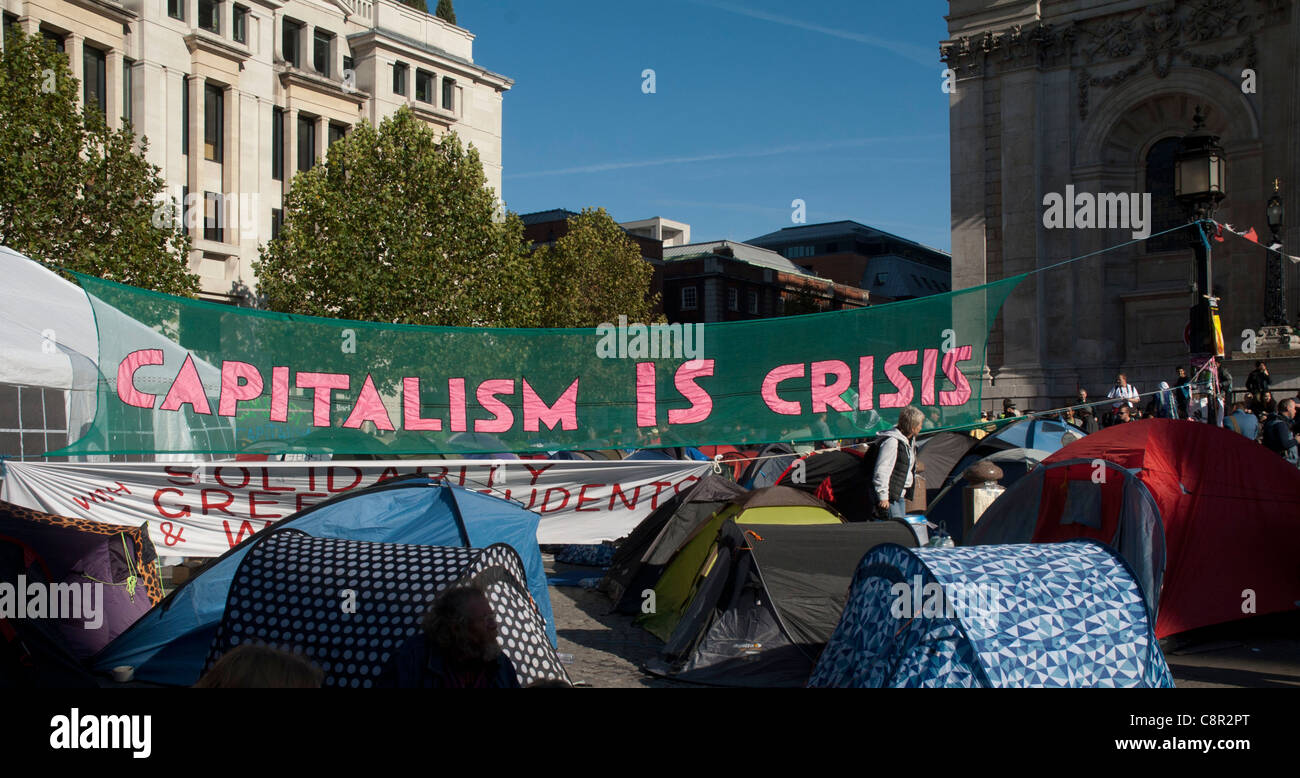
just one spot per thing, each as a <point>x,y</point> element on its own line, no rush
<point>1200,169</point>
<point>1276,332</point>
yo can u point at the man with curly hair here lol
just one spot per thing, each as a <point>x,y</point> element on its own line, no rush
<point>456,648</point>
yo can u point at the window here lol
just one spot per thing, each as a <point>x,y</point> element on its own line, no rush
<point>399,78</point>
<point>733,299</point>
<point>53,37</point>
<point>94,66</point>
<point>185,114</point>
<point>212,216</point>
<point>1166,213</point>
<point>320,52</point>
<point>753,302</point>
<point>306,142</point>
<point>239,24</point>
<point>32,421</point>
<point>277,144</point>
<point>277,220</point>
<point>7,23</point>
<point>448,94</point>
<point>336,132</point>
<point>210,15</point>
<point>214,99</point>
<point>347,66</point>
<point>176,9</point>
<point>424,86</point>
<point>128,88</point>
<point>289,42</point>
<point>688,298</point>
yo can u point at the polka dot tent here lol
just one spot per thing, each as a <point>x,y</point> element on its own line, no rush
<point>348,605</point>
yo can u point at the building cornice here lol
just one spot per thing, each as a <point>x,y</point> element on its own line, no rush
<point>202,40</point>
<point>1207,34</point>
<point>361,42</point>
<point>113,10</point>
<point>288,74</point>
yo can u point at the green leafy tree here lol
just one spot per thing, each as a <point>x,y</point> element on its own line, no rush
<point>74,193</point>
<point>446,12</point>
<point>419,5</point>
<point>398,226</point>
<point>594,274</point>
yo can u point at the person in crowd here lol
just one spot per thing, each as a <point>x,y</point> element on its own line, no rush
<point>1087,413</point>
<point>1257,383</point>
<point>254,666</point>
<point>1182,393</point>
<point>896,465</point>
<point>979,432</point>
<point>1123,415</point>
<point>1242,421</point>
<point>1068,416</point>
<point>1265,405</point>
<point>1009,410</point>
<point>1124,393</point>
<point>1162,404</point>
<point>456,648</point>
<point>1277,435</point>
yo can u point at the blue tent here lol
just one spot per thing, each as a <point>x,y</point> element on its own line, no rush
<point>169,643</point>
<point>1033,615</point>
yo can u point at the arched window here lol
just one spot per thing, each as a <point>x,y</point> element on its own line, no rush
<point>1166,212</point>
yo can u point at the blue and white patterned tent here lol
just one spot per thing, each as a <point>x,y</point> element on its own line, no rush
<point>1043,615</point>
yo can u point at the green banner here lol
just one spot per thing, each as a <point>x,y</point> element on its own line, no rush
<point>188,376</point>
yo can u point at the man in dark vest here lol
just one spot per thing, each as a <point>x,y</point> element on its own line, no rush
<point>896,465</point>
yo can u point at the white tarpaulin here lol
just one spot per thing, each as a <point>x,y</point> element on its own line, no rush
<point>204,508</point>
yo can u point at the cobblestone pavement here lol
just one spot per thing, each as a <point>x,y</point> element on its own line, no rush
<point>606,648</point>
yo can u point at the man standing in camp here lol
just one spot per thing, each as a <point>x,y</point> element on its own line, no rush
<point>896,465</point>
<point>1277,432</point>
<point>456,648</point>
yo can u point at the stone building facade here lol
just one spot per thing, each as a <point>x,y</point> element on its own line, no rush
<point>1095,95</point>
<point>235,97</point>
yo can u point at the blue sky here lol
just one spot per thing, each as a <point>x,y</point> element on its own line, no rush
<point>756,103</point>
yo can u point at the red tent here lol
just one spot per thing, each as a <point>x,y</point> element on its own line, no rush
<point>1229,507</point>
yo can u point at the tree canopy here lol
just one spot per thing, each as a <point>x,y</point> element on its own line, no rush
<point>446,12</point>
<point>594,274</point>
<point>74,193</point>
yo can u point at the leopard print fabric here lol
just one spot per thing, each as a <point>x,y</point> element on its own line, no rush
<point>145,555</point>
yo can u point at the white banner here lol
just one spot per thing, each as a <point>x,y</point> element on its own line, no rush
<point>205,508</point>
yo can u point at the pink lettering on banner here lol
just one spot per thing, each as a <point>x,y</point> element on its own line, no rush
<point>299,499</point>
<point>929,360</point>
<point>245,528</point>
<point>564,412</point>
<point>866,382</point>
<point>253,503</point>
<point>826,396</point>
<point>773,380</point>
<point>126,391</point>
<point>239,381</point>
<point>322,400</point>
<point>502,417</point>
<point>456,393</point>
<point>893,363</point>
<point>646,413</point>
<point>411,419</point>
<point>959,395</point>
<point>187,389</point>
<point>280,394</point>
<point>209,505</point>
<point>659,487</point>
<point>701,402</point>
<point>369,408</point>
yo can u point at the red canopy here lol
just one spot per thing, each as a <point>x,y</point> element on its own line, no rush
<point>1231,513</point>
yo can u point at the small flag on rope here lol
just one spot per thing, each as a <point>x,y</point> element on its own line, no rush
<point>1250,235</point>
<point>1218,231</point>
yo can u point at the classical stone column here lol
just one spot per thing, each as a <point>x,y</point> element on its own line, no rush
<point>113,85</point>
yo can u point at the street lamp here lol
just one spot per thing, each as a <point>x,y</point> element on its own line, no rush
<point>1275,286</point>
<point>1200,169</point>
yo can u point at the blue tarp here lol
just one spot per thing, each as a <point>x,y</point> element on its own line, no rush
<point>169,643</point>
<point>1033,615</point>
